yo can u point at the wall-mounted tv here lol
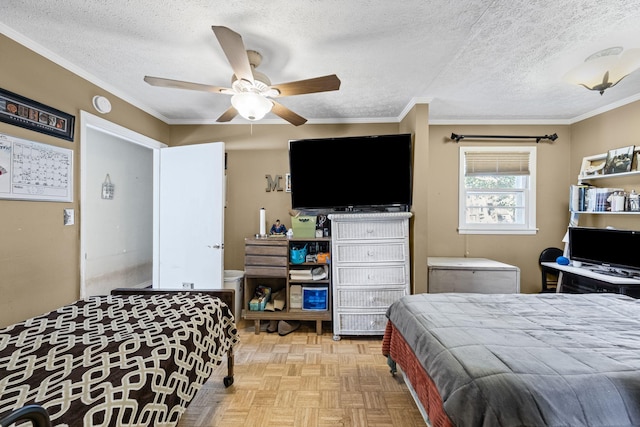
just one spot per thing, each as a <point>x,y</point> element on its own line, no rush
<point>608,250</point>
<point>351,173</point>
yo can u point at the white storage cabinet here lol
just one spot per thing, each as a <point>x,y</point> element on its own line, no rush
<point>472,275</point>
<point>370,263</point>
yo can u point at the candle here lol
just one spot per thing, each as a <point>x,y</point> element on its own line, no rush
<point>263,222</point>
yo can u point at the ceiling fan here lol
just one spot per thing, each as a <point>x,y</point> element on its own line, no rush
<point>251,91</point>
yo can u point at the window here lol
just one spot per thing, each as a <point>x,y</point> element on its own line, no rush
<point>497,190</point>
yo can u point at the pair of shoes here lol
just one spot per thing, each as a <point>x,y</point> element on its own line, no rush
<point>285,328</point>
<point>273,326</point>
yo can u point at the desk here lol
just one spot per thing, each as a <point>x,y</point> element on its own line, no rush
<point>479,275</point>
<point>583,280</point>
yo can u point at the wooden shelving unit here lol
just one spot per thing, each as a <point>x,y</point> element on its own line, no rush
<point>267,263</point>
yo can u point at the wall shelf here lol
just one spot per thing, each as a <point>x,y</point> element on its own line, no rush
<point>597,162</point>
<point>606,212</point>
<point>610,175</point>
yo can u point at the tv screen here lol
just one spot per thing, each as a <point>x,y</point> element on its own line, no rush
<point>351,173</point>
<point>605,248</point>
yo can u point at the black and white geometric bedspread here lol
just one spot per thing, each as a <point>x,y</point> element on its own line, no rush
<point>133,360</point>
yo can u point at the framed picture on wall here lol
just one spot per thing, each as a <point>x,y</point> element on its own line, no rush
<point>619,160</point>
<point>26,113</point>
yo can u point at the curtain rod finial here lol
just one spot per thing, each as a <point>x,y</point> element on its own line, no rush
<point>455,137</point>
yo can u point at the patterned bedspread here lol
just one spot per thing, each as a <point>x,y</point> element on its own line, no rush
<point>133,360</point>
<point>528,360</point>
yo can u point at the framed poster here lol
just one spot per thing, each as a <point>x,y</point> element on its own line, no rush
<point>619,160</point>
<point>33,171</point>
<point>20,111</point>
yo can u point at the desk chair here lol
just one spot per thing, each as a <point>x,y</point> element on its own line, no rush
<point>549,274</point>
<point>38,416</point>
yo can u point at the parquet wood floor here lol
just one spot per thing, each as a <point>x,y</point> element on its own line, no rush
<point>304,380</point>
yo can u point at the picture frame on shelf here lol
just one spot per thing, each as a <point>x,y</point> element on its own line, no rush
<point>619,160</point>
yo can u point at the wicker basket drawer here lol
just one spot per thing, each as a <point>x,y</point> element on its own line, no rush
<point>367,297</point>
<point>362,230</point>
<point>371,275</point>
<point>371,252</point>
<point>362,323</point>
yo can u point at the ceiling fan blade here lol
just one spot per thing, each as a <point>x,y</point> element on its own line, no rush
<point>282,111</point>
<point>318,84</point>
<point>179,84</point>
<point>233,47</point>
<point>228,115</point>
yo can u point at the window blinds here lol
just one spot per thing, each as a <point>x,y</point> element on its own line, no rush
<point>496,163</point>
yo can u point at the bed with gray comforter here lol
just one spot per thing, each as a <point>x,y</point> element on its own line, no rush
<point>527,360</point>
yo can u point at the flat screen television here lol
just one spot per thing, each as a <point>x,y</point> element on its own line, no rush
<point>606,250</point>
<point>351,173</point>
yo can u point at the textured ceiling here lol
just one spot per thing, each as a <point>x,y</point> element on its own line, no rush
<point>472,61</point>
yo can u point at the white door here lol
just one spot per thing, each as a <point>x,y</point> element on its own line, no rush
<point>190,217</point>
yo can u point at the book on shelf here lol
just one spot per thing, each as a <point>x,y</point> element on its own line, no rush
<point>597,199</point>
<point>578,197</point>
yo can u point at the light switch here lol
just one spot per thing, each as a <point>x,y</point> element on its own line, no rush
<point>69,217</point>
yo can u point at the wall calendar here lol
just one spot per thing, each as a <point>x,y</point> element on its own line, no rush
<point>34,171</point>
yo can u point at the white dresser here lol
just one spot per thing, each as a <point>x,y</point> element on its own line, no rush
<point>370,262</point>
<point>479,275</point>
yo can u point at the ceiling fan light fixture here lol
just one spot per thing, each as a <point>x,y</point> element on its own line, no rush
<point>605,69</point>
<point>250,105</point>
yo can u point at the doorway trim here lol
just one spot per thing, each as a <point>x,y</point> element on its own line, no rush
<point>87,121</point>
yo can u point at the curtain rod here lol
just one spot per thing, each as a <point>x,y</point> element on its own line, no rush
<point>455,137</point>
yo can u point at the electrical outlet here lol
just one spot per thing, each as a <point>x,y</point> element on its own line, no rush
<point>68,217</point>
<point>187,285</point>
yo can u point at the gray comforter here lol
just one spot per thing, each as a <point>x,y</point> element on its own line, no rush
<point>528,360</point>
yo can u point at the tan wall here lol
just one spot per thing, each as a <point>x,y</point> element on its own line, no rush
<point>553,180</point>
<point>417,123</point>
<point>39,257</point>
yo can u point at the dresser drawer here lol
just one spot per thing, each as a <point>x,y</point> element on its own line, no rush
<point>371,252</point>
<point>264,271</point>
<point>371,275</point>
<point>265,257</point>
<point>368,229</point>
<point>279,250</point>
<point>367,297</point>
<point>259,260</point>
<point>362,323</point>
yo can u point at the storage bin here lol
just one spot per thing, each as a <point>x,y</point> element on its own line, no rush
<point>260,299</point>
<point>303,226</point>
<point>315,298</point>
<point>295,297</point>
<point>233,280</point>
<point>298,255</point>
